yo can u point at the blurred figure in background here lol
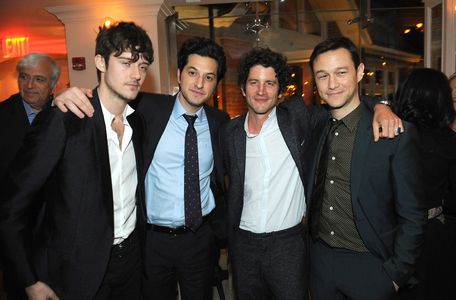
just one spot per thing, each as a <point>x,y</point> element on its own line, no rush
<point>424,99</point>
<point>37,76</point>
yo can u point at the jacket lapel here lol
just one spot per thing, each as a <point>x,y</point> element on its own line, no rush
<point>156,123</point>
<point>240,146</point>
<point>290,138</point>
<point>361,145</point>
<point>102,154</point>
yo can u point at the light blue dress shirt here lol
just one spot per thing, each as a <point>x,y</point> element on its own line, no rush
<point>165,177</point>
<point>29,111</point>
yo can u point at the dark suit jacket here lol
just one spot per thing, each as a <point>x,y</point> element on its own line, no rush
<point>387,196</point>
<point>296,122</point>
<point>13,127</point>
<point>77,234</point>
<point>156,110</point>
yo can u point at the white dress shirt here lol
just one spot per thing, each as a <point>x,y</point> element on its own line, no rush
<point>123,176</point>
<point>273,191</point>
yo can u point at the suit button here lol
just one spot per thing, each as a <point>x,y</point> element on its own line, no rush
<point>331,208</point>
<point>331,181</point>
<point>332,232</point>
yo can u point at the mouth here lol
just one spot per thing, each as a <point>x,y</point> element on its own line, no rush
<point>197,93</point>
<point>134,86</point>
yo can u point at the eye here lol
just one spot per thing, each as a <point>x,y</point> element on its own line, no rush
<point>41,79</point>
<point>192,73</point>
<point>271,83</point>
<point>341,73</point>
<point>210,77</point>
<point>144,67</point>
<point>253,82</point>
<point>24,76</point>
<point>322,76</point>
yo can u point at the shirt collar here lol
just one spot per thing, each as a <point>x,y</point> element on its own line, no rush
<point>108,116</point>
<point>266,124</point>
<point>28,108</point>
<point>179,111</point>
<point>352,119</point>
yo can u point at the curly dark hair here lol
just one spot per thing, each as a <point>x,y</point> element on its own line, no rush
<point>266,58</point>
<point>121,37</point>
<point>424,99</point>
<point>204,47</point>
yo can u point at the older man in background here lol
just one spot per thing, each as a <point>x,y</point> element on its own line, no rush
<point>37,76</point>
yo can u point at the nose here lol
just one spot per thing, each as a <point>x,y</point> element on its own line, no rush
<point>29,82</point>
<point>260,90</point>
<point>332,82</point>
<point>136,72</point>
<point>199,82</point>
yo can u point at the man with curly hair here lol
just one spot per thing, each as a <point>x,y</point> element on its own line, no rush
<point>267,154</point>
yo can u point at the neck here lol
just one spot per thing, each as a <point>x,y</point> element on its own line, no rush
<point>113,104</point>
<point>190,109</point>
<point>342,112</point>
<point>255,122</point>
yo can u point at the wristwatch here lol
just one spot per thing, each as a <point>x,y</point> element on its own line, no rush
<point>385,102</point>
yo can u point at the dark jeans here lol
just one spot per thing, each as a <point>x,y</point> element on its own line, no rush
<point>270,265</point>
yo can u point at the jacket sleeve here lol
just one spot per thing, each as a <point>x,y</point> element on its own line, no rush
<point>409,207</point>
<point>30,170</point>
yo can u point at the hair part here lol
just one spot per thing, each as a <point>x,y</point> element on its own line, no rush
<point>334,44</point>
<point>203,47</point>
<point>123,37</point>
<point>33,59</point>
<point>424,99</point>
<point>266,58</point>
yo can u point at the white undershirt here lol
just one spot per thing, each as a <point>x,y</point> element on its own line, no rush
<point>273,191</point>
<point>123,176</point>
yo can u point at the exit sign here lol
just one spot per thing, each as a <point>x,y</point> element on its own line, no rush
<point>15,46</point>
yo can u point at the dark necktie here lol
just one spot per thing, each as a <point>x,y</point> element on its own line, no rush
<point>192,198</point>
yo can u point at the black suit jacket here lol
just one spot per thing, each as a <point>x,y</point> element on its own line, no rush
<point>13,127</point>
<point>76,237</point>
<point>156,110</point>
<point>296,122</point>
<point>387,196</point>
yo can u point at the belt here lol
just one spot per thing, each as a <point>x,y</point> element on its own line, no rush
<point>173,230</point>
<point>125,243</point>
<point>436,212</point>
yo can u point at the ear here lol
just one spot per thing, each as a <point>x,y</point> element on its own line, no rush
<point>360,72</point>
<point>178,76</point>
<point>243,91</point>
<point>100,63</point>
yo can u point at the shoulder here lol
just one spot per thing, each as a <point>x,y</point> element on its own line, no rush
<point>10,103</point>
<point>230,126</point>
<point>146,101</point>
<point>216,113</point>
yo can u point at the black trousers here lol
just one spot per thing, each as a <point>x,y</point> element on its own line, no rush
<point>123,276</point>
<point>270,265</point>
<point>338,274</point>
<point>187,259</point>
<point>435,277</point>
